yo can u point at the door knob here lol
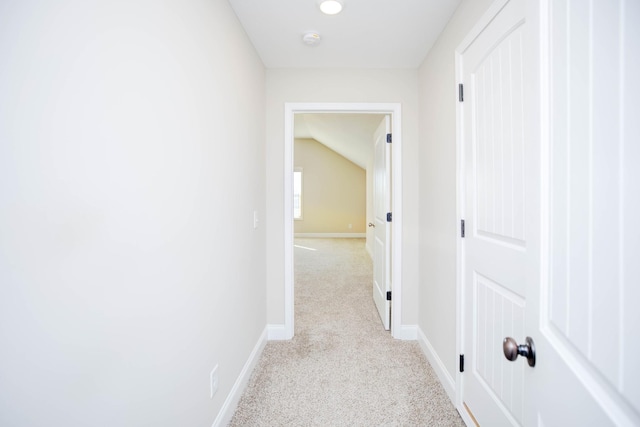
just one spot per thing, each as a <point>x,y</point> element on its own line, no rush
<point>371,224</point>
<point>511,350</point>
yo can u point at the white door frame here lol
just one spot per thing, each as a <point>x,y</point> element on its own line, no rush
<point>394,109</point>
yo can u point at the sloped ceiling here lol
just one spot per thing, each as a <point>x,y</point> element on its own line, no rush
<point>348,134</point>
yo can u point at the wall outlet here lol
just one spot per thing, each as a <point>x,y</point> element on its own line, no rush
<point>350,226</point>
<point>213,380</point>
<point>255,219</point>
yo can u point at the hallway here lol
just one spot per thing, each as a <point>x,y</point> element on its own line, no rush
<point>342,367</point>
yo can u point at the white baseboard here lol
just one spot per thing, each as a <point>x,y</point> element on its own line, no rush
<point>407,333</point>
<point>276,333</point>
<point>436,363</point>
<point>231,403</point>
<point>333,235</point>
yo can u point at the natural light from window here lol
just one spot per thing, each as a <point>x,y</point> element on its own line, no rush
<point>297,193</point>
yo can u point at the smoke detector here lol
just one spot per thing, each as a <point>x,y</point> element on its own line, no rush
<point>311,38</point>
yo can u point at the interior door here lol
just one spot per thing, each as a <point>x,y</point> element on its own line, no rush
<point>587,325</point>
<point>550,125</point>
<point>497,247</point>
<point>382,230</point>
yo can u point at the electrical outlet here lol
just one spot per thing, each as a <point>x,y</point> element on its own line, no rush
<point>350,226</point>
<point>213,380</point>
<point>255,219</point>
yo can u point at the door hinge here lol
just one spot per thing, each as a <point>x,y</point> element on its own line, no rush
<point>462,228</point>
<point>460,93</point>
<point>388,295</point>
<point>388,216</point>
<point>389,138</point>
<point>462,363</point>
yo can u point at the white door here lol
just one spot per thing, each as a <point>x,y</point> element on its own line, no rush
<point>587,326</point>
<point>382,230</point>
<point>497,242</point>
<point>552,197</point>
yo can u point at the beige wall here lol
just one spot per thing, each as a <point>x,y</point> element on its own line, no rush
<point>131,161</point>
<point>334,190</point>
<point>438,227</point>
<point>342,86</point>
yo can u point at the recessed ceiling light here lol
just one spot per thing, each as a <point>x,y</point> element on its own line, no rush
<point>331,7</point>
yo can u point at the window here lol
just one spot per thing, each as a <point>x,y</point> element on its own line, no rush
<point>297,193</point>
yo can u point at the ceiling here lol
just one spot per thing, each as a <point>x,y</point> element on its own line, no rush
<point>366,34</point>
<point>348,134</point>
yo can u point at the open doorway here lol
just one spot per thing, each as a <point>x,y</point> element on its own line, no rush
<point>393,111</point>
<point>332,183</point>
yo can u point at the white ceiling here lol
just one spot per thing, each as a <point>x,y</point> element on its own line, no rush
<point>366,34</point>
<point>348,134</point>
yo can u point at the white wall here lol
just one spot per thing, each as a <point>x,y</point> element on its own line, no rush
<point>131,160</point>
<point>438,226</point>
<point>342,86</point>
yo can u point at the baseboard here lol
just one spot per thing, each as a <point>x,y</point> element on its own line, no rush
<point>407,332</point>
<point>436,363</point>
<point>276,333</point>
<point>332,235</point>
<point>231,403</point>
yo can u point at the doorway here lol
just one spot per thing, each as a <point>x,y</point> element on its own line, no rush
<point>394,110</point>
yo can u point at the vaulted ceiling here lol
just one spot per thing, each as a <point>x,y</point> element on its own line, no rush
<point>348,134</point>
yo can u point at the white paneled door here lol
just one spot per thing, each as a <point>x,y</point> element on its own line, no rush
<point>588,323</point>
<point>497,243</point>
<point>382,230</point>
<point>549,153</point>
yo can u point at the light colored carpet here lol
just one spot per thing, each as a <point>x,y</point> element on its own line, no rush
<point>341,368</point>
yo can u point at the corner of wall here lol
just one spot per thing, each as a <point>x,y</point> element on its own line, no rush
<point>438,366</point>
<point>277,332</point>
<point>407,333</point>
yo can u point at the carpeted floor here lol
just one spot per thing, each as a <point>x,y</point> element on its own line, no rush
<point>341,368</point>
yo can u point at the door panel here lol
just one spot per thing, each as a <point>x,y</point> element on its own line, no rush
<point>500,313</point>
<point>496,245</point>
<point>552,185</point>
<point>589,326</point>
<point>382,205</point>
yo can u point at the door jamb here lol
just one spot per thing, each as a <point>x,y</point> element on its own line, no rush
<point>394,109</point>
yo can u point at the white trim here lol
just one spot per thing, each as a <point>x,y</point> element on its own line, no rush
<point>481,24</point>
<point>436,363</point>
<point>460,206</point>
<point>395,110</point>
<point>407,332</point>
<point>277,333</point>
<point>288,223</point>
<point>231,402</point>
<point>332,235</point>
